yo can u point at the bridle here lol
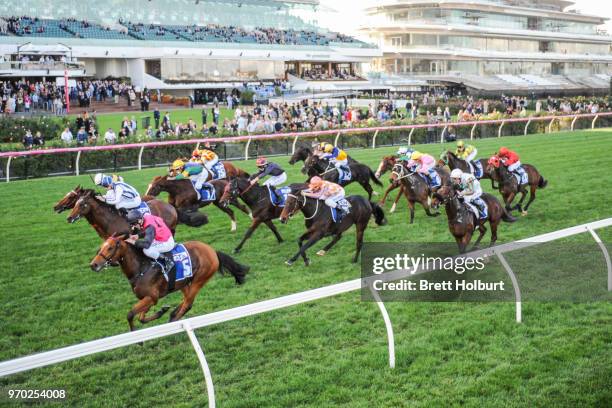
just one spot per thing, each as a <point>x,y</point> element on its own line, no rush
<point>402,173</point>
<point>108,260</point>
<point>302,204</point>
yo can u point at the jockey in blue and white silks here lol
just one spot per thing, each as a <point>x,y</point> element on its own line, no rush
<point>469,188</point>
<point>119,194</point>
<point>405,152</point>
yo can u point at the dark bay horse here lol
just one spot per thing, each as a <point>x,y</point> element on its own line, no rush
<point>462,222</point>
<point>415,189</point>
<point>149,284</point>
<point>319,222</point>
<point>360,173</point>
<point>300,154</point>
<point>453,162</point>
<point>182,195</point>
<point>509,186</point>
<point>257,199</point>
<point>105,218</point>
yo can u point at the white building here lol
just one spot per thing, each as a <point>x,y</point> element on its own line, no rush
<point>492,45</point>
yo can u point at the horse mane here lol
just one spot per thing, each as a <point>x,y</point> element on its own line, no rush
<point>91,193</point>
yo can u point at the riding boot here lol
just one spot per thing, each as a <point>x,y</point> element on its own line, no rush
<point>482,208</point>
<point>168,261</point>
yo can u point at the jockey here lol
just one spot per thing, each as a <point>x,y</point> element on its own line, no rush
<point>467,153</point>
<point>206,157</point>
<point>405,152</point>
<point>338,157</point>
<point>318,148</point>
<point>266,168</point>
<point>469,189</point>
<point>192,171</point>
<point>119,194</point>
<point>321,189</point>
<point>425,166</point>
<point>511,160</point>
<point>157,241</point>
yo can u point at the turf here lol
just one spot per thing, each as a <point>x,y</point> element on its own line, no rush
<point>326,353</point>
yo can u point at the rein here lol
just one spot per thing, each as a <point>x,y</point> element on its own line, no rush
<point>304,203</point>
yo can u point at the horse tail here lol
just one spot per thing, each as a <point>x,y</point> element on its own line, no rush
<point>378,213</point>
<point>374,178</point>
<point>542,182</point>
<point>506,216</point>
<point>228,263</point>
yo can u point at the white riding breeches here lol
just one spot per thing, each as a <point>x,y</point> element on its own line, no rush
<point>274,181</point>
<point>157,248</point>
<point>128,204</point>
<point>472,155</point>
<point>514,166</point>
<point>209,164</point>
<point>339,163</point>
<point>333,200</point>
<point>200,179</point>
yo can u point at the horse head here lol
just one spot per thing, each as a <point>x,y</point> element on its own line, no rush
<point>155,187</point>
<point>294,203</point>
<point>82,206</point>
<point>385,165</point>
<point>301,154</point>
<point>110,252</point>
<point>69,200</point>
<point>230,192</point>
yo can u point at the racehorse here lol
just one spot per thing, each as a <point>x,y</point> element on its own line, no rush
<point>231,171</point>
<point>509,185</point>
<point>182,195</point>
<point>359,173</point>
<point>149,284</point>
<point>300,154</point>
<point>415,189</point>
<point>453,162</point>
<point>386,164</point>
<point>462,221</point>
<point>319,221</point>
<point>257,198</point>
<point>105,218</point>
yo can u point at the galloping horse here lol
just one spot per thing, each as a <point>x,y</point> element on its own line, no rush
<point>509,186</point>
<point>359,173</point>
<point>453,162</point>
<point>257,199</point>
<point>386,164</point>
<point>149,284</point>
<point>105,218</point>
<point>319,221</point>
<point>415,189</point>
<point>182,195</point>
<point>462,221</point>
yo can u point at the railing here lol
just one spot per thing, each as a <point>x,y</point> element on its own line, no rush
<point>189,325</point>
<point>292,139</point>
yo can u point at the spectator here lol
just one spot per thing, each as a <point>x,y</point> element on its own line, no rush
<point>82,137</point>
<point>28,140</point>
<point>110,137</point>
<point>38,139</point>
<point>156,117</point>
<point>67,136</point>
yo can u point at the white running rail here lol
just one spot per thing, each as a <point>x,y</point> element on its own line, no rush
<point>189,325</point>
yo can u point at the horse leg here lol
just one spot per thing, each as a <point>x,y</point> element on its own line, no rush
<point>411,208</point>
<point>311,241</point>
<point>465,240</point>
<point>519,205</point>
<point>272,227</point>
<point>493,224</point>
<point>482,230</point>
<point>189,294</point>
<point>333,242</point>
<point>532,196</point>
<point>229,213</point>
<point>143,305</point>
<point>427,208</point>
<point>248,233</point>
<point>359,240</point>
<point>300,241</point>
<point>242,208</point>
<point>368,188</point>
<point>397,198</point>
<point>508,198</point>
<point>387,191</point>
<point>146,319</point>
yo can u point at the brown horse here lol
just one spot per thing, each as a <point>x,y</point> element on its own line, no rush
<point>453,162</point>
<point>319,221</point>
<point>258,200</point>
<point>231,171</point>
<point>509,186</point>
<point>105,218</point>
<point>182,195</point>
<point>386,164</point>
<point>148,282</point>
<point>415,189</point>
<point>462,221</point>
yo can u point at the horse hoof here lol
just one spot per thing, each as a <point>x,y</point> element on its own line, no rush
<point>251,215</point>
<point>524,213</point>
<point>288,263</point>
<point>321,253</point>
<point>236,251</point>
<point>234,226</point>
<point>307,262</point>
<point>392,210</point>
<point>375,193</point>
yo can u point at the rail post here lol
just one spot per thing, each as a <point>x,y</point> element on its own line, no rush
<point>517,290</point>
<point>8,169</point>
<point>410,137</point>
<point>374,139</point>
<point>294,144</point>
<point>443,133</point>
<point>388,325</point>
<point>336,139</point>
<point>606,255</point>
<point>594,120</point>
<point>550,125</point>
<point>574,122</point>
<point>527,127</point>
<point>76,164</point>
<point>139,157</point>
<point>473,131</point>
<point>210,389</point>
<point>500,128</point>
<point>246,149</point>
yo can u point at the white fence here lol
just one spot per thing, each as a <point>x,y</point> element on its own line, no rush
<point>293,138</point>
<point>188,325</point>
